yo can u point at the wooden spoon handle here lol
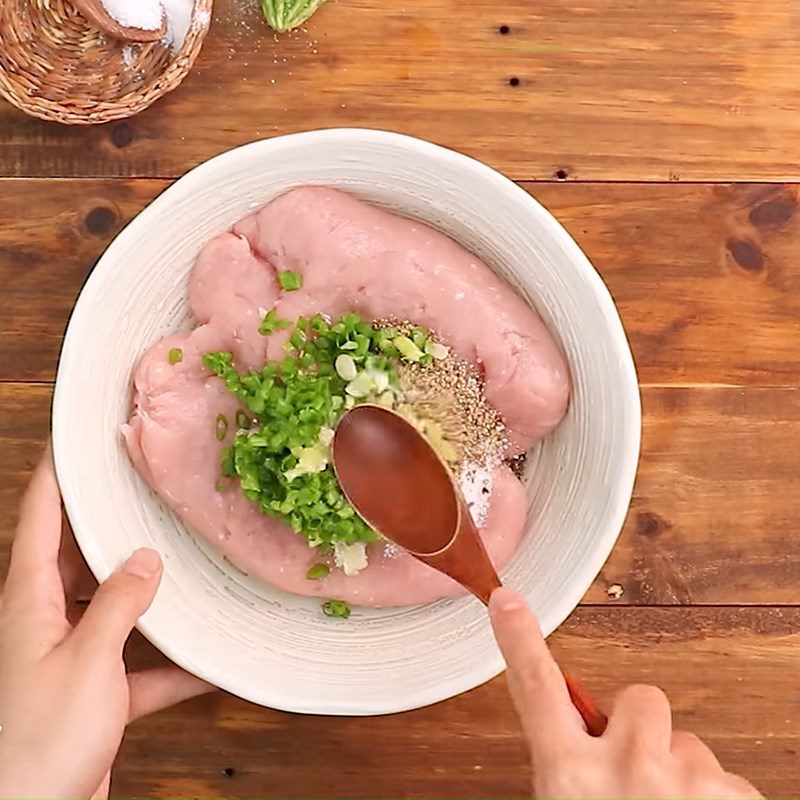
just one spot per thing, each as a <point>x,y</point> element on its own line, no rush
<point>596,721</point>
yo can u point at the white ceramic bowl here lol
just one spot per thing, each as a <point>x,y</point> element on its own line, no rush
<point>277,649</point>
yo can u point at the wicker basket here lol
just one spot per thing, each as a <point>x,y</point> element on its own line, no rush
<point>54,65</point>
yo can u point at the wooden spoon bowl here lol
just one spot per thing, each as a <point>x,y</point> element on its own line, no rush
<point>400,486</point>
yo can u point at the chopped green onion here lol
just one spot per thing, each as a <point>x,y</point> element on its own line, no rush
<point>272,323</point>
<point>222,485</point>
<point>175,355</point>
<point>319,324</point>
<point>227,463</point>
<point>242,420</point>
<point>288,366</point>
<point>336,608</point>
<point>380,380</point>
<point>298,338</point>
<point>219,363</point>
<point>221,428</point>
<point>350,321</point>
<point>317,572</point>
<point>361,385</point>
<point>438,351</point>
<point>420,337</point>
<point>408,349</point>
<point>290,280</point>
<point>388,347</point>
<point>345,367</point>
<point>280,450</point>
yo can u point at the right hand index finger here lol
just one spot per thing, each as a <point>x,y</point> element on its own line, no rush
<point>538,690</point>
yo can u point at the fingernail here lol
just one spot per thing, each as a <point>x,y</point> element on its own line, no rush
<point>504,599</point>
<point>144,563</point>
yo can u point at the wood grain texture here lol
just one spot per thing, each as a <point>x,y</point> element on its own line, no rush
<point>606,90</point>
<point>731,674</point>
<point>714,516</point>
<point>51,233</point>
<point>705,277</point>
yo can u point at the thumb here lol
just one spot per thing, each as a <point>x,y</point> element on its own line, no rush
<point>119,602</point>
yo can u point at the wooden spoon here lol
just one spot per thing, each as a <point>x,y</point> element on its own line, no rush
<point>400,486</point>
<point>96,14</point>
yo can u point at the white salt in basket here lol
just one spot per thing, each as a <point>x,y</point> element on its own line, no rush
<point>278,649</point>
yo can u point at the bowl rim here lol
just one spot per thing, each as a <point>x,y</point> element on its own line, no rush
<point>490,667</point>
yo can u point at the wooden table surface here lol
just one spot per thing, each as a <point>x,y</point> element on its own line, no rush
<point>666,137</point>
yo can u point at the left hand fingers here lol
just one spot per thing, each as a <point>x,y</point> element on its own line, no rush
<point>79,583</point>
<point>155,689</point>
<point>117,605</point>
<point>33,586</point>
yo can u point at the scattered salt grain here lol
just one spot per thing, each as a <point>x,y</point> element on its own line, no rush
<point>476,482</point>
<point>202,19</point>
<point>146,15</point>
<point>391,550</point>
<point>128,55</point>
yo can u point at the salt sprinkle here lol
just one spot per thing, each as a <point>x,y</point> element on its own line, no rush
<point>146,15</point>
<point>476,482</point>
<point>128,55</point>
<point>391,550</point>
<point>202,19</point>
<point>179,20</point>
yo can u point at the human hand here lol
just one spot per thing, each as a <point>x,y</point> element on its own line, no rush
<point>65,697</point>
<point>639,755</point>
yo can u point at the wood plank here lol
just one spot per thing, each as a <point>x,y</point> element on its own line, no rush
<point>705,277</point>
<point>51,233</point>
<point>730,673</point>
<point>714,517</point>
<point>611,90</point>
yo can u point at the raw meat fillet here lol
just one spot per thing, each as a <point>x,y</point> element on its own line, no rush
<point>352,257</point>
